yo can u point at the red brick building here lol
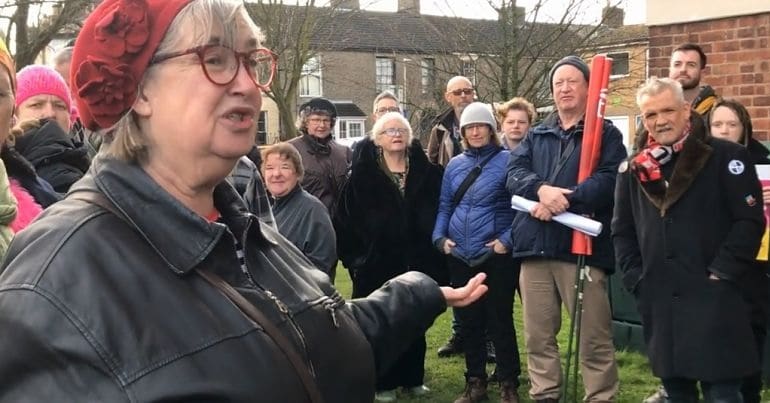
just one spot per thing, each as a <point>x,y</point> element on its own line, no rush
<point>736,38</point>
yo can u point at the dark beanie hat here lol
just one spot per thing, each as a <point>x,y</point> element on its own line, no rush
<point>573,61</point>
<point>322,105</point>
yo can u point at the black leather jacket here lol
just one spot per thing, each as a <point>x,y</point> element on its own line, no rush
<point>93,308</point>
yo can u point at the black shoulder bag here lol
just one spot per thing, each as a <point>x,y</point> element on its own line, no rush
<point>247,308</point>
<point>472,176</point>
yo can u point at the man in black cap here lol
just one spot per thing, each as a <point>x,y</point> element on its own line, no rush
<point>544,168</point>
<point>325,161</point>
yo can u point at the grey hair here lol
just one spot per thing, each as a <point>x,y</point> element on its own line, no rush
<point>656,85</point>
<point>198,22</point>
<point>380,123</point>
<point>384,95</point>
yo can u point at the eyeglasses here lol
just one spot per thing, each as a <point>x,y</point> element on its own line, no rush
<point>389,109</point>
<point>393,132</point>
<point>462,91</point>
<point>320,121</point>
<point>221,64</point>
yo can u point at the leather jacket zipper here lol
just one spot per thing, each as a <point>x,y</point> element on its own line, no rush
<point>281,306</point>
<point>331,304</point>
<point>285,310</point>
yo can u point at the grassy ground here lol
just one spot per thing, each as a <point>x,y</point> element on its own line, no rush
<point>445,375</point>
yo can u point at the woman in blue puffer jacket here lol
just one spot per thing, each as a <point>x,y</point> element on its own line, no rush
<point>475,233</point>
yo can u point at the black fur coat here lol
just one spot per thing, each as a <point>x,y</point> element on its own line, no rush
<point>381,233</point>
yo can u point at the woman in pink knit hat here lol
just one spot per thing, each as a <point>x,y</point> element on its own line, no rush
<point>43,108</point>
<point>43,94</point>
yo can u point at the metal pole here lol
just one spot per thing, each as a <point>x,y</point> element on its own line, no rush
<point>574,331</point>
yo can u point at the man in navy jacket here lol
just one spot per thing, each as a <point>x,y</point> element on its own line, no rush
<point>544,169</point>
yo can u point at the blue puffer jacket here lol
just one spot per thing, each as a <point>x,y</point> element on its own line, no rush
<point>484,213</point>
<point>531,165</point>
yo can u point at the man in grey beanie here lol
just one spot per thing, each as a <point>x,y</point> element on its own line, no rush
<point>544,168</point>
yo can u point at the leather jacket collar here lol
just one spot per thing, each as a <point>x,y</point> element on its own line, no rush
<point>180,236</point>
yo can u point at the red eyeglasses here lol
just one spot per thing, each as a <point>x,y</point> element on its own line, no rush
<point>221,64</point>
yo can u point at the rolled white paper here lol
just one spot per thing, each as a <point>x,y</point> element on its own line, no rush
<point>577,222</point>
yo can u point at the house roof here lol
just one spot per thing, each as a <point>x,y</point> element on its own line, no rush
<point>403,32</point>
<point>348,109</point>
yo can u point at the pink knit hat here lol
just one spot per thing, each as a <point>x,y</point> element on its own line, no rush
<point>41,80</point>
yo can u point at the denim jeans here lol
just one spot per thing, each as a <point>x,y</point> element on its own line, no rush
<point>681,390</point>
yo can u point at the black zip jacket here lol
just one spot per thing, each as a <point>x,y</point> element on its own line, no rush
<point>99,308</point>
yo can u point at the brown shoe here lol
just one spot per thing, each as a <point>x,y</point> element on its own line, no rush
<point>475,391</point>
<point>508,392</point>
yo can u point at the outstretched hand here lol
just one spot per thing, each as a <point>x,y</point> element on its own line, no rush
<point>466,295</point>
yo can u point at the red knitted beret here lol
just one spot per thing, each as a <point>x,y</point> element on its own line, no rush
<point>7,61</point>
<point>111,54</point>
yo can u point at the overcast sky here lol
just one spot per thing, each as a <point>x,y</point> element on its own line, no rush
<point>585,11</point>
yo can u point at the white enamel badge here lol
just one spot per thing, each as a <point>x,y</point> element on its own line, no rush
<point>623,167</point>
<point>736,167</point>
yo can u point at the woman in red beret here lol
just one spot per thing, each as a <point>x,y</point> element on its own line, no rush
<point>151,281</point>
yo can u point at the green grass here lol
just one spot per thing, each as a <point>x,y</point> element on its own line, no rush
<point>444,376</point>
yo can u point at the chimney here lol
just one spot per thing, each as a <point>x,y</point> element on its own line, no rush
<point>519,14</point>
<point>613,16</point>
<point>345,4</point>
<point>409,6</point>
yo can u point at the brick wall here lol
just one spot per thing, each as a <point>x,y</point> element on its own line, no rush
<point>738,60</point>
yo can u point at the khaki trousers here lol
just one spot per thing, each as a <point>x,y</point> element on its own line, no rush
<point>545,284</point>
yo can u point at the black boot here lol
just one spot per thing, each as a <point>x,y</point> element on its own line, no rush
<point>452,347</point>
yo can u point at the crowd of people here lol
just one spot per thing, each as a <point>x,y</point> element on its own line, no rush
<point>152,252</point>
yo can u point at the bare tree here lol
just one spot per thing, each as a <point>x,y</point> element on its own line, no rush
<point>33,24</point>
<point>292,32</point>
<point>514,59</point>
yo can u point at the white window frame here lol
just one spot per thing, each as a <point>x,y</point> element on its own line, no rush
<point>428,74</point>
<point>628,64</point>
<point>311,70</point>
<point>382,85</point>
<point>468,67</point>
<point>343,126</point>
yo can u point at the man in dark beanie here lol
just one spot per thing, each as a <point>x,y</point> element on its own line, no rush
<point>325,161</point>
<point>544,168</point>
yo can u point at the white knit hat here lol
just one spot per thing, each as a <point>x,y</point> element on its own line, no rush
<point>478,112</point>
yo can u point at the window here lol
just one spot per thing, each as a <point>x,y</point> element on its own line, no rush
<point>469,69</point>
<point>619,64</point>
<point>310,80</point>
<point>355,129</point>
<point>348,131</point>
<point>386,73</point>
<point>428,74</point>
<point>262,129</point>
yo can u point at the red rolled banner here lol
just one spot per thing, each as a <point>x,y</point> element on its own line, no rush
<point>591,145</point>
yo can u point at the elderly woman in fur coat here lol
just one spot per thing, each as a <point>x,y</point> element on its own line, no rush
<point>384,220</point>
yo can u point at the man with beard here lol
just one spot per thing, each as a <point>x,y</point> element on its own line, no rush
<point>687,64</point>
<point>685,271</point>
<point>444,140</point>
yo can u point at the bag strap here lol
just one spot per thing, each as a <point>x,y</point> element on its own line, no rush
<point>256,316</point>
<point>247,308</point>
<point>471,177</point>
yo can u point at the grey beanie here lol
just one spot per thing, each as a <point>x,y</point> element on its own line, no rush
<point>573,61</point>
<point>478,112</point>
